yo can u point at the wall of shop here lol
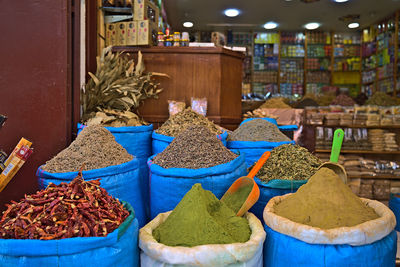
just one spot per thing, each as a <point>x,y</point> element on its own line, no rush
<point>35,83</point>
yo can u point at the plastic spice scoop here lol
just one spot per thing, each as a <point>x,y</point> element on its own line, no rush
<point>333,164</point>
<point>244,192</point>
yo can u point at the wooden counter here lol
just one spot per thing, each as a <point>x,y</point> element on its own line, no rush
<point>211,72</point>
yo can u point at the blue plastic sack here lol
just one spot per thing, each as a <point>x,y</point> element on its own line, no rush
<point>253,150</point>
<point>119,248</point>
<point>137,141</point>
<point>272,189</point>
<point>121,181</point>
<point>168,186</point>
<point>281,250</point>
<point>292,127</point>
<point>160,141</point>
<point>394,205</point>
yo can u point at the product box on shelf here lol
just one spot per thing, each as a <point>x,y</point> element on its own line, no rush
<point>121,33</point>
<point>145,10</point>
<point>131,33</point>
<point>111,34</point>
<point>146,32</point>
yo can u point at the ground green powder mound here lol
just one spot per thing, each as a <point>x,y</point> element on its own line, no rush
<point>325,202</point>
<point>236,200</point>
<point>289,162</point>
<point>180,121</point>
<point>201,219</point>
<point>258,130</point>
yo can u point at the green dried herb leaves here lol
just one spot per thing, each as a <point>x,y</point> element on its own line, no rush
<point>117,86</point>
<point>289,162</point>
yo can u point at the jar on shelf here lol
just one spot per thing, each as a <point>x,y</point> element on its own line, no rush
<point>168,42</point>
<point>160,39</point>
<point>177,38</point>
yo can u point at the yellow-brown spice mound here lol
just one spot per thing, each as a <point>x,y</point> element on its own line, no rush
<point>325,202</point>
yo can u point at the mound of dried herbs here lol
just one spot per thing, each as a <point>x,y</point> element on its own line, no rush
<point>95,148</point>
<point>258,130</point>
<point>289,162</point>
<point>196,147</point>
<point>180,121</point>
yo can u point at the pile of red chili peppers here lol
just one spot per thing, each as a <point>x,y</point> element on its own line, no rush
<point>78,209</point>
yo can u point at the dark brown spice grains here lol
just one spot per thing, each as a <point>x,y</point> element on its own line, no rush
<point>258,130</point>
<point>95,148</point>
<point>196,147</point>
<point>289,162</point>
<point>180,121</point>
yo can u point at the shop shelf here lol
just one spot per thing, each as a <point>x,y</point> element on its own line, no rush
<point>378,176</point>
<point>359,126</point>
<point>358,151</point>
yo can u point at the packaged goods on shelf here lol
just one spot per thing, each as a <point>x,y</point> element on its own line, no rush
<point>318,77</point>
<point>265,77</point>
<point>349,64</point>
<point>267,38</point>
<point>318,64</point>
<point>319,51</point>
<point>346,39</point>
<point>145,10</point>
<point>292,51</point>
<point>318,37</point>
<point>290,37</point>
<point>368,76</point>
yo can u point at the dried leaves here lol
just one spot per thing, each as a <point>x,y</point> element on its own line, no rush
<point>289,162</point>
<point>196,147</point>
<point>77,209</point>
<point>118,86</point>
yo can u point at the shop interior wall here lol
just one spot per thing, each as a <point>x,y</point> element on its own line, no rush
<point>36,84</point>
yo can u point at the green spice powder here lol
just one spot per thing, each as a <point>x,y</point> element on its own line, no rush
<point>236,200</point>
<point>201,219</point>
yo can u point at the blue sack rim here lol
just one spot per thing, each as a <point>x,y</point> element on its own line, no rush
<point>74,245</point>
<point>197,173</point>
<point>277,183</point>
<point>169,139</point>
<point>91,174</point>
<point>256,144</point>
<point>124,129</point>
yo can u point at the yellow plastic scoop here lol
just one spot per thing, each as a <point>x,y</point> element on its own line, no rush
<point>244,192</point>
<point>333,164</point>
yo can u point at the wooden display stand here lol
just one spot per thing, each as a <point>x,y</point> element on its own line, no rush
<point>211,72</point>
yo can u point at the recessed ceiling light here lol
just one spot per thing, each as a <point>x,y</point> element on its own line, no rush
<point>340,1</point>
<point>270,25</point>
<point>231,12</point>
<point>312,25</point>
<point>188,24</point>
<point>353,25</point>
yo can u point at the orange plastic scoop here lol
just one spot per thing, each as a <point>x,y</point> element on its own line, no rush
<point>244,192</point>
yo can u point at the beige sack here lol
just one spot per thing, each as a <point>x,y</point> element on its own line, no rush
<point>362,234</point>
<point>238,254</point>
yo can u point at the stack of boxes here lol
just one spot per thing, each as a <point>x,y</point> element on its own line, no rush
<point>141,31</point>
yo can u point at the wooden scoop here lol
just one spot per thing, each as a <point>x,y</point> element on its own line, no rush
<point>243,184</point>
<point>336,146</point>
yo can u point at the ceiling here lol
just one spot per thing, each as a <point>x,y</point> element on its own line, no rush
<point>208,15</point>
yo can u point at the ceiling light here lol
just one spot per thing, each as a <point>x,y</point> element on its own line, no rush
<point>188,24</point>
<point>353,25</point>
<point>270,25</point>
<point>312,25</point>
<point>340,1</point>
<point>231,12</point>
